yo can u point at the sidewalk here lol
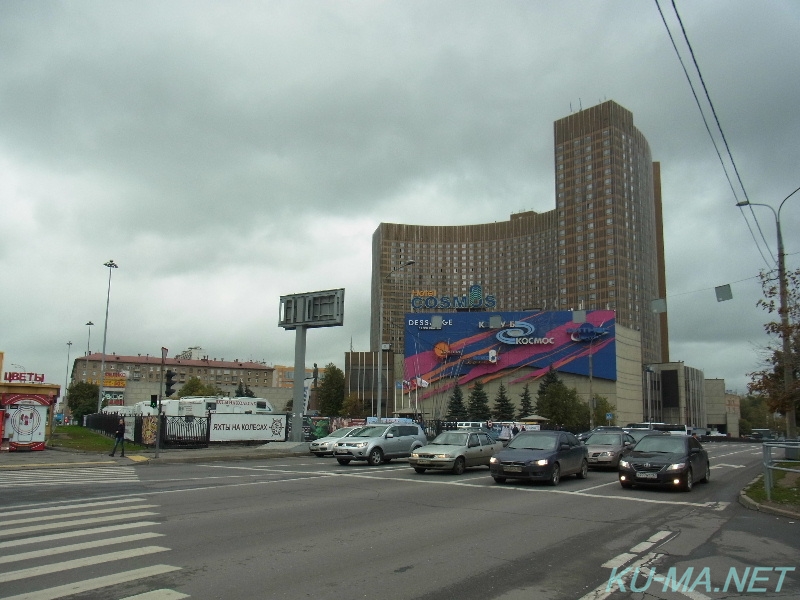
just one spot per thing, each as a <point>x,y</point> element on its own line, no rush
<point>61,458</point>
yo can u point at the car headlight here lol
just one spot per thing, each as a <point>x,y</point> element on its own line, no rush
<point>541,462</point>
<point>414,455</point>
<point>442,456</point>
<point>676,467</point>
<point>606,454</point>
<point>362,444</point>
<point>624,464</point>
<point>494,460</point>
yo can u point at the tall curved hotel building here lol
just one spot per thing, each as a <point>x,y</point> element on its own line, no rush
<point>601,247</point>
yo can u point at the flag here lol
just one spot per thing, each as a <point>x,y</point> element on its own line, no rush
<point>422,383</point>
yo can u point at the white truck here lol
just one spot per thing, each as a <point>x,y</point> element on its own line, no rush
<point>200,406</point>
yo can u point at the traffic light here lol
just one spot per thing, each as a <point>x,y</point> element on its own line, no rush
<point>153,401</point>
<point>169,383</point>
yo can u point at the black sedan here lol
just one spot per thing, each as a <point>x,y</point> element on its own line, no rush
<point>540,456</point>
<point>666,460</point>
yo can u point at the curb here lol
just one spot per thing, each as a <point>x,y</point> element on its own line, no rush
<point>751,504</point>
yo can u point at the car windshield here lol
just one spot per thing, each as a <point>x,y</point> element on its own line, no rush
<point>604,439</point>
<point>660,443</point>
<point>371,431</point>
<point>533,442</point>
<point>343,432</point>
<point>638,434</point>
<point>451,438</point>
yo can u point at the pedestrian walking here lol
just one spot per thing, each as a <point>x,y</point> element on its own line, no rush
<point>119,438</point>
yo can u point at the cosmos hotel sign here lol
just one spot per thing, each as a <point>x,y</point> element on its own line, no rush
<point>430,300</point>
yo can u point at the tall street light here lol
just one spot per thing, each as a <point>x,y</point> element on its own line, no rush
<point>89,339</point>
<point>111,266</point>
<point>66,386</point>
<point>788,367</point>
<point>380,332</point>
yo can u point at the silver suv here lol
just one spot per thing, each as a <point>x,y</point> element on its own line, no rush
<point>380,442</point>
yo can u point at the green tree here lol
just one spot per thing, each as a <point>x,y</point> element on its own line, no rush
<point>478,404</point>
<point>601,408</point>
<point>330,393</point>
<point>82,399</point>
<point>550,378</point>
<point>525,403</point>
<point>754,410</point>
<point>456,411</point>
<point>769,382</point>
<point>563,407</point>
<point>503,409</point>
<point>353,407</point>
<point>195,387</point>
<point>243,390</point>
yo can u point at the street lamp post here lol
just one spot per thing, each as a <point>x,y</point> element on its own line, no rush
<point>89,339</point>
<point>788,367</point>
<point>111,266</point>
<point>408,263</point>
<point>66,386</point>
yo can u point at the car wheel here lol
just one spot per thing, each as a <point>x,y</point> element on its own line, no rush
<point>343,461</point>
<point>499,479</point>
<point>375,457</point>
<point>584,472</point>
<point>707,476</point>
<point>419,470</point>
<point>556,476</point>
<point>688,483</point>
<point>459,466</point>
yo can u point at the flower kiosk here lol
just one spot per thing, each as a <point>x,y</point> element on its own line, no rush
<point>26,406</point>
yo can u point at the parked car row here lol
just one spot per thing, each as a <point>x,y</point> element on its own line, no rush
<point>641,457</point>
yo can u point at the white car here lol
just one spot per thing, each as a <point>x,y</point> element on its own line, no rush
<point>324,446</point>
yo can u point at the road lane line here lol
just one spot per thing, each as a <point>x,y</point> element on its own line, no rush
<point>78,563</point>
<point>619,560</point>
<point>9,558</point>
<point>158,595</point>
<point>93,584</point>
<point>63,507</point>
<point>82,532</point>
<point>86,513</point>
<point>66,524</point>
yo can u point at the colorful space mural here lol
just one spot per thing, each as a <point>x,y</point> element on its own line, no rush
<point>465,346</point>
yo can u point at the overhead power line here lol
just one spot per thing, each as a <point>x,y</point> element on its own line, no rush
<point>719,129</point>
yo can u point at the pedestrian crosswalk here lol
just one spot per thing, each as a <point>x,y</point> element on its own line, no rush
<point>83,547</point>
<point>69,476</point>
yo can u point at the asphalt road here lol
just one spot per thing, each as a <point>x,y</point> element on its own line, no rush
<point>309,528</point>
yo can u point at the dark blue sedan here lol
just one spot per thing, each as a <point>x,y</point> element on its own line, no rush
<point>540,456</point>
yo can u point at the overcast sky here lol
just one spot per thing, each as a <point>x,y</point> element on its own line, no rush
<point>226,153</point>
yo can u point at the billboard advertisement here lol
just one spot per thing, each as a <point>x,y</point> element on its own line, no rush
<point>465,346</point>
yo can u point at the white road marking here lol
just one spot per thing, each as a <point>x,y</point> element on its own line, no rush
<point>82,532</point>
<point>61,506</point>
<point>94,584</point>
<point>124,539</point>
<point>158,595</point>
<point>604,590</point>
<point>78,563</point>
<point>86,513</point>
<point>77,522</point>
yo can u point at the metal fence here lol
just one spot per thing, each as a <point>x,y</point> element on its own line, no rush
<point>176,432</point>
<point>791,455</point>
